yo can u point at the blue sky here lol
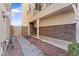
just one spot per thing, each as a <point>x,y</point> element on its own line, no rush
<point>16,14</point>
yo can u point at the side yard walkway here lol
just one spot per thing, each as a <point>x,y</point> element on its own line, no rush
<point>28,48</point>
<point>16,51</point>
<point>22,47</point>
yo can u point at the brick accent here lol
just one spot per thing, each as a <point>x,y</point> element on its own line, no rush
<point>63,32</point>
<point>47,48</point>
<point>24,31</point>
<point>11,30</point>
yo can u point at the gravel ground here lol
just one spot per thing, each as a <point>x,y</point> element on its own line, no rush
<point>28,48</point>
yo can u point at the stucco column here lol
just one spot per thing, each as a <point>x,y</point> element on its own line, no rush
<point>44,5</point>
<point>77,24</point>
<point>37,28</point>
<point>29,28</point>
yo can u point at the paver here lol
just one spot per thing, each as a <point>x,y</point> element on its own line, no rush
<point>16,51</point>
<point>28,48</point>
<point>22,47</point>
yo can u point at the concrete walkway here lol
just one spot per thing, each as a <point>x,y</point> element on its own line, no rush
<point>28,48</point>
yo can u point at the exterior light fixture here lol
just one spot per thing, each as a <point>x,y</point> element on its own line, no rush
<point>5,14</point>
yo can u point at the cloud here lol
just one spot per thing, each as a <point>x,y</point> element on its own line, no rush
<point>16,18</point>
<point>13,14</point>
<point>16,10</point>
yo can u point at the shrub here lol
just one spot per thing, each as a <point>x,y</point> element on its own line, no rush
<point>73,49</point>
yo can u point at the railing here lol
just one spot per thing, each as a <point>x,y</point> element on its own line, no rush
<point>43,7</point>
<point>35,11</point>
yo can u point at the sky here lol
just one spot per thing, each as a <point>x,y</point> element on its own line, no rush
<point>16,14</point>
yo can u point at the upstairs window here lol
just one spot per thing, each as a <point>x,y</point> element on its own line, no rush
<point>38,6</point>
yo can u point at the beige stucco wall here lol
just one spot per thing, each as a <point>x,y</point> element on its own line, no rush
<point>1,24</point>
<point>24,15</point>
<point>4,23</point>
<point>58,19</point>
<point>4,26</point>
<point>54,8</point>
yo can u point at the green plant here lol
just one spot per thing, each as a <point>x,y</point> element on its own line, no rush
<point>73,49</point>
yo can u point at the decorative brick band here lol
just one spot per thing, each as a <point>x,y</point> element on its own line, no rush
<point>64,32</point>
<point>47,48</point>
<point>24,31</point>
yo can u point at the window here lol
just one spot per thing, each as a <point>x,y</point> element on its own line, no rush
<point>38,6</point>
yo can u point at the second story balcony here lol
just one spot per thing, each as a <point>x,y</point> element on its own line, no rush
<point>51,10</point>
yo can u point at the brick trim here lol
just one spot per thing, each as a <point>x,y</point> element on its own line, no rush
<point>63,32</point>
<point>24,30</point>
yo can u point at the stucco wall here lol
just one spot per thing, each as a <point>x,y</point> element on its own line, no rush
<point>27,12</point>
<point>4,23</point>
<point>24,14</point>
<point>67,17</point>
<point>4,26</point>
